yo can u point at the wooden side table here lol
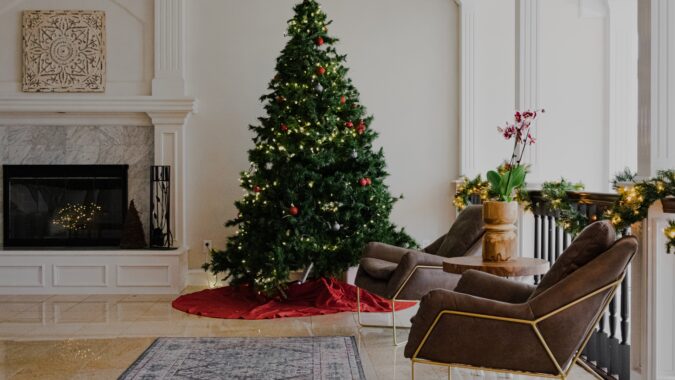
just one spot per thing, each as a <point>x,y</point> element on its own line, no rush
<point>516,267</point>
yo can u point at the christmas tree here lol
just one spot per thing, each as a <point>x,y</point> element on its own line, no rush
<point>315,191</point>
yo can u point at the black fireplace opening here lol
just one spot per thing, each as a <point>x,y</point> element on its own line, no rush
<point>64,205</point>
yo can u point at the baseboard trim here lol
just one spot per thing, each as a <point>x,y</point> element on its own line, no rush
<point>199,277</point>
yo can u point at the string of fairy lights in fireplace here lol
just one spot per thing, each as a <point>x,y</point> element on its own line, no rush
<point>76,217</point>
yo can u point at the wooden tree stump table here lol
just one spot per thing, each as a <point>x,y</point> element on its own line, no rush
<point>516,267</point>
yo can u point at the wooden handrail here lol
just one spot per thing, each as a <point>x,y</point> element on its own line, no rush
<point>582,197</point>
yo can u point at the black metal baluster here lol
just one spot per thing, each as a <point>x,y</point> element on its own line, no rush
<point>608,350</point>
<point>537,255</point>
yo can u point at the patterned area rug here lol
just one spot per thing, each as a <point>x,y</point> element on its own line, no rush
<point>329,357</point>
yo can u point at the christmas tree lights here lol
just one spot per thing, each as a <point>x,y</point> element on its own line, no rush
<point>315,192</point>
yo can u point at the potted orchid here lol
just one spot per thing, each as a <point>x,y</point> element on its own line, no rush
<point>501,212</point>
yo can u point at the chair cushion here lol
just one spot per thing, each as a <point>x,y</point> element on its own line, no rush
<point>589,244</point>
<point>376,268</point>
<point>464,233</point>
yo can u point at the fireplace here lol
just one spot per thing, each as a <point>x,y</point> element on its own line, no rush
<point>64,205</point>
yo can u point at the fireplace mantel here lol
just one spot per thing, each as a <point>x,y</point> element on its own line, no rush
<point>42,109</point>
<point>167,110</point>
<point>106,271</point>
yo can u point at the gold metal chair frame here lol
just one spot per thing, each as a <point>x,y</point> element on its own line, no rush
<point>393,304</point>
<point>562,373</point>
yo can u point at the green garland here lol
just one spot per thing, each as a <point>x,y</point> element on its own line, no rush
<point>635,198</point>
<point>469,188</point>
<point>670,235</point>
<point>482,188</point>
<point>567,216</point>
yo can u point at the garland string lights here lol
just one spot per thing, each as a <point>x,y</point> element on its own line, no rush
<point>635,198</point>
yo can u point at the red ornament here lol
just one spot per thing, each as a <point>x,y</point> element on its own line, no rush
<point>256,189</point>
<point>343,99</point>
<point>294,210</point>
<point>361,129</point>
<point>363,182</point>
<point>370,182</point>
<point>320,70</point>
<point>319,41</point>
<point>349,124</point>
<point>284,128</point>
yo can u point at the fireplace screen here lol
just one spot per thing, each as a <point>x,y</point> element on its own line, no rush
<point>64,205</point>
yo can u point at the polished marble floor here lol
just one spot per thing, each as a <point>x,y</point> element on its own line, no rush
<point>99,336</point>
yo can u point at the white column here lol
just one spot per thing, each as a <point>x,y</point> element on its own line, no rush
<point>657,88</point>
<point>656,137</point>
<point>170,30</point>
<point>468,88</point>
<point>169,150</point>
<point>653,301</point>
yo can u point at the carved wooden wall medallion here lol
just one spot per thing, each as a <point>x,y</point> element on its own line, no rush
<point>63,51</point>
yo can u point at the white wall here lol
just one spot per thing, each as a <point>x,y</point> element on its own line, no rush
<point>572,84</point>
<point>129,27</point>
<point>403,59</point>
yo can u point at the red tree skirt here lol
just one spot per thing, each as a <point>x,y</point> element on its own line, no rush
<point>315,297</point>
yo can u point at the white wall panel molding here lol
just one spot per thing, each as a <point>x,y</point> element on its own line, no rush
<point>143,275</point>
<point>79,275</point>
<point>170,59</point>
<point>93,272</point>
<point>622,85</point>
<point>468,148</point>
<point>528,71</point>
<point>19,275</point>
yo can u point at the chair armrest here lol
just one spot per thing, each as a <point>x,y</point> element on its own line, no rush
<point>384,251</point>
<point>442,332</point>
<point>407,265</point>
<point>485,285</point>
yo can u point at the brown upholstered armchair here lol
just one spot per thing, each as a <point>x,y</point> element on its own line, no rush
<point>401,274</point>
<point>492,323</point>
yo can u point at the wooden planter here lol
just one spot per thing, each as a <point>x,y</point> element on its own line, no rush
<point>500,241</point>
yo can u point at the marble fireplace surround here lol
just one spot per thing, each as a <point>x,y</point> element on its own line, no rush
<point>80,145</point>
<point>139,131</point>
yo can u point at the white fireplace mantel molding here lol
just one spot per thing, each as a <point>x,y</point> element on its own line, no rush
<point>105,271</point>
<point>94,104</point>
<point>167,110</point>
<point>88,110</point>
